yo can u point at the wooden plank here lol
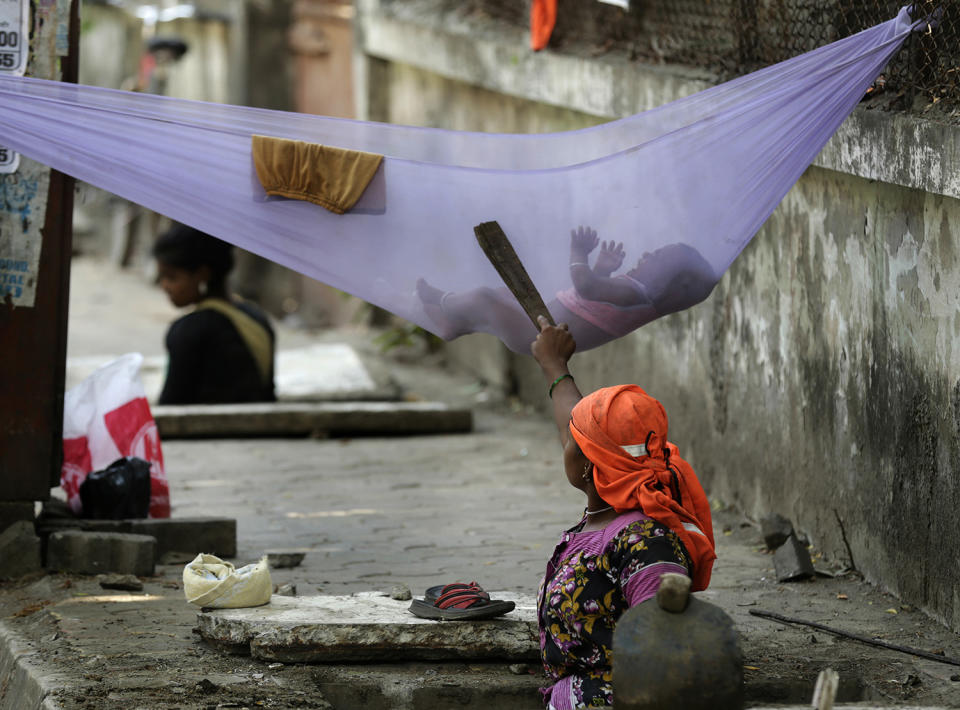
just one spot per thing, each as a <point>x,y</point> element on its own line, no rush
<point>307,418</point>
<point>501,254</point>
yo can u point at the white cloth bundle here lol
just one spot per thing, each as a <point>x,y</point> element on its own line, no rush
<point>211,582</point>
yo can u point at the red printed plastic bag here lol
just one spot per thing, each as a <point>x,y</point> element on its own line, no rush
<point>107,417</point>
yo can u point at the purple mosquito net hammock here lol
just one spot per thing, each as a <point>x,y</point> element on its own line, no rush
<point>683,187</point>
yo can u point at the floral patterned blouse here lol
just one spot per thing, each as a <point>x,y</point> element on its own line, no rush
<point>592,578</point>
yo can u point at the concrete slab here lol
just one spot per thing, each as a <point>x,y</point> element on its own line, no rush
<point>331,372</point>
<point>367,626</point>
<point>304,418</point>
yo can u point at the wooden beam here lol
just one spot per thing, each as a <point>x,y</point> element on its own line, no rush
<point>501,254</point>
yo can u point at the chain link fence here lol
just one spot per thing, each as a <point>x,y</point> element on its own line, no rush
<point>733,37</point>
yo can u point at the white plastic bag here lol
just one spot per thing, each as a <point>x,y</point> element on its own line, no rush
<point>107,417</point>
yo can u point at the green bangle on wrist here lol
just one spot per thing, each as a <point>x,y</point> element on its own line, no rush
<point>558,381</point>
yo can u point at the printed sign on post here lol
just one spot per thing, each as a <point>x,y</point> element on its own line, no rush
<point>14,49</point>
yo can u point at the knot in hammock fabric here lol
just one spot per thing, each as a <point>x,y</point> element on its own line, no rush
<point>331,177</point>
<point>211,582</point>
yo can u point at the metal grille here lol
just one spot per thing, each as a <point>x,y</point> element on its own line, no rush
<point>733,37</point>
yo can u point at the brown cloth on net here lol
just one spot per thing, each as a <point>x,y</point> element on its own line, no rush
<point>333,178</point>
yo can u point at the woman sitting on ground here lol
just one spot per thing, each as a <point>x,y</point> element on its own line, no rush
<point>223,350</point>
<point>646,514</point>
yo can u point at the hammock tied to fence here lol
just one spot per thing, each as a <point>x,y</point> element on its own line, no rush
<point>616,224</point>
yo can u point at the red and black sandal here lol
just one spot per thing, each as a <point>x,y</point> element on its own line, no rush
<point>458,601</point>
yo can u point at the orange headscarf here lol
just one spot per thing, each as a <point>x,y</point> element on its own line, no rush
<point>623,431</point>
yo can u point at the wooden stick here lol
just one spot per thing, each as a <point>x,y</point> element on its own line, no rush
<point>501,254</point>
<point>856,637</point>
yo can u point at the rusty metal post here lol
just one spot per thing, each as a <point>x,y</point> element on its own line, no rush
<point>33,368</point>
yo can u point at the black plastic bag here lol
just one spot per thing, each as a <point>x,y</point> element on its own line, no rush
<point>121,490</point>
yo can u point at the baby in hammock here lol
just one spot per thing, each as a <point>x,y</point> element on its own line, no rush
<point>598,307</point>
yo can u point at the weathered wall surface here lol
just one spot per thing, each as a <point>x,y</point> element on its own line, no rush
<point>822,377</point>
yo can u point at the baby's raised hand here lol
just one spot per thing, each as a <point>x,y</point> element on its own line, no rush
<point>610,258</point>
<point>583,240</point>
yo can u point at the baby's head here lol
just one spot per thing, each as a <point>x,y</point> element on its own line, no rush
<point>191,264</point>
<point>676,276</point>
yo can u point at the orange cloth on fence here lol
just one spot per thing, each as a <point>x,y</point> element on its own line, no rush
<point>543,16</point>
<point>334,178</point>
<point>623,431</point>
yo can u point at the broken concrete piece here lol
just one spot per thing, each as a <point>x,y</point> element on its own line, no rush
<point>304,418</point>
<point>401,592</point>
<point>286,590</point>
<point>367,627</point>
<point>775,530</point>
<point>664,660</point>
<point>124,582</point>
<point>95,552</point>
<point>284,559</point>
<point>19,550</point>
<point>792,561</point>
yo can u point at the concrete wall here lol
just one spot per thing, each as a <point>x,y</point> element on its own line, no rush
<point>821,379</point>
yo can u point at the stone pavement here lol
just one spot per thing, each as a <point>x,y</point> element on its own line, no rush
<point>374,512</point>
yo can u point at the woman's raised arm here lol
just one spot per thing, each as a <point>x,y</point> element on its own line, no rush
<point>552,349</point>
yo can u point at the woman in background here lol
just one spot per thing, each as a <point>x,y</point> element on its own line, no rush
<point>223,350</point>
